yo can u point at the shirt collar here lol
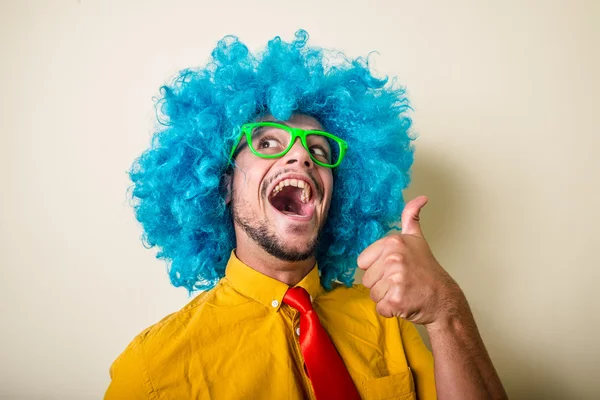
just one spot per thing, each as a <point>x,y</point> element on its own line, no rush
<point>264,289</point>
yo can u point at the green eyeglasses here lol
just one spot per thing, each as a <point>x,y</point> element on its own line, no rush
<point>274,140</point>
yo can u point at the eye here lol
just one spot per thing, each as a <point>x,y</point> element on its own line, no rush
<point>266,143</point>
<point>319,151</point>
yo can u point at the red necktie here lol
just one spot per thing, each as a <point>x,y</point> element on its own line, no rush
<point>328,374</point>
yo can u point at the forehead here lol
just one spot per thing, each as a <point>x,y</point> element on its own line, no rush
<point>299,120</point>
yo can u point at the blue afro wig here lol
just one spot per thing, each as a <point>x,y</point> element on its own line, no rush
<point>177,183</point>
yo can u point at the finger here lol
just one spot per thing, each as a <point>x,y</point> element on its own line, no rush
<point>370,254</point>
<point>394,300</point>
<point>384,310</point>
<point>373,274</point>
<point>410,216</point>
<point>379,290</point>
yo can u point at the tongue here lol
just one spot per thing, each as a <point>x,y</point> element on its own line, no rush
<point>289,210</point>
<point>288,201</point>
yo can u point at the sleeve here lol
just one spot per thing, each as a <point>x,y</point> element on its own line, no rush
<point>420,361</point>
<point>129,377</point>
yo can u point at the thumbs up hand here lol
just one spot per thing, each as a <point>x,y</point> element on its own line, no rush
<point>404,277</point>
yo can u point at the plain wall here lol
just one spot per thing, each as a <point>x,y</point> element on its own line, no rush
<point>505,97</point>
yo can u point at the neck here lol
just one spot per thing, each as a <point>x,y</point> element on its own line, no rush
<point>288,272</point>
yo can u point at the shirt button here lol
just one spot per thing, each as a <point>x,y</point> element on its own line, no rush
<point>275,303</point>
<point>298,331</point>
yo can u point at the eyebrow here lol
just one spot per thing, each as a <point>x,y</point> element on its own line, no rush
<point>275,121</point>
<point>283,123</point>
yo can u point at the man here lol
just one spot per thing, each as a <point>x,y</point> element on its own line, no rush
<point>275,176</point>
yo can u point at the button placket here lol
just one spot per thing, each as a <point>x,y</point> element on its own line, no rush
<point>296,322</point>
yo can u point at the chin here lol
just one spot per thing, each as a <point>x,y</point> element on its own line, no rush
<point>293,247</point>
<point>296,242</point>
<point>296,235</point>
<point>305,248</point>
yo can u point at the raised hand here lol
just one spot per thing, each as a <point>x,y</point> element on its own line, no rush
<point>405,278</point>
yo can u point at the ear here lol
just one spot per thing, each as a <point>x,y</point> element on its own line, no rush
<point>226,181</point>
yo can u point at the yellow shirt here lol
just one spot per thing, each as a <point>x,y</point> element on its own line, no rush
<point>239,341</point>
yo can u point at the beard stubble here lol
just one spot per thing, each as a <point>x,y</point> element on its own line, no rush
<point>261,233</point>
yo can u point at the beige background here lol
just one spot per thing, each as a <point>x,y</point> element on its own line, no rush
<point>506,98</point>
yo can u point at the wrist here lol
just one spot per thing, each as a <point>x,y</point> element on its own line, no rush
<point>454,315</point>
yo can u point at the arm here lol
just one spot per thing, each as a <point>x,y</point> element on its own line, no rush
<point>463,368</point>
<point>129,379</point>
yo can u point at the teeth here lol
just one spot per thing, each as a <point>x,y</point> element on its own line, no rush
<point>304,197</point>
<point>305,194</point>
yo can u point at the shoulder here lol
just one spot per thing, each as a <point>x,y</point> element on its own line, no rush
<point>171,326</point>
<point>133,370</point>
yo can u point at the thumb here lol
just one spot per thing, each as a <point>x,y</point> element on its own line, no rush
<point>410,216</point>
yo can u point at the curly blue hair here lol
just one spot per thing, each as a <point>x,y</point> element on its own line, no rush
<point>177,189</point>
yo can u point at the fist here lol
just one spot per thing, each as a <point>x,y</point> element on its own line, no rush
<point>404,277</point>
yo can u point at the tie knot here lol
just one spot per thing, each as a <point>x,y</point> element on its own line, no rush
<point>298,298</point>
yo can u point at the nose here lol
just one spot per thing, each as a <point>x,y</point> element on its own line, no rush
<point>298,154</point>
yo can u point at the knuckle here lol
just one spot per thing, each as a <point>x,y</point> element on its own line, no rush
<point>396,298</point>
<point>397,278</point>
<point>395,240</point>
<point>395,258</point>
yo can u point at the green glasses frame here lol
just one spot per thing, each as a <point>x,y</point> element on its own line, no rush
<point>295,133</point>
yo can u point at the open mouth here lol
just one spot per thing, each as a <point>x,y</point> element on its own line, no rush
<point>293,197</point>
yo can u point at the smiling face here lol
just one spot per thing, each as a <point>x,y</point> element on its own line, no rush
<point>281,204</point>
